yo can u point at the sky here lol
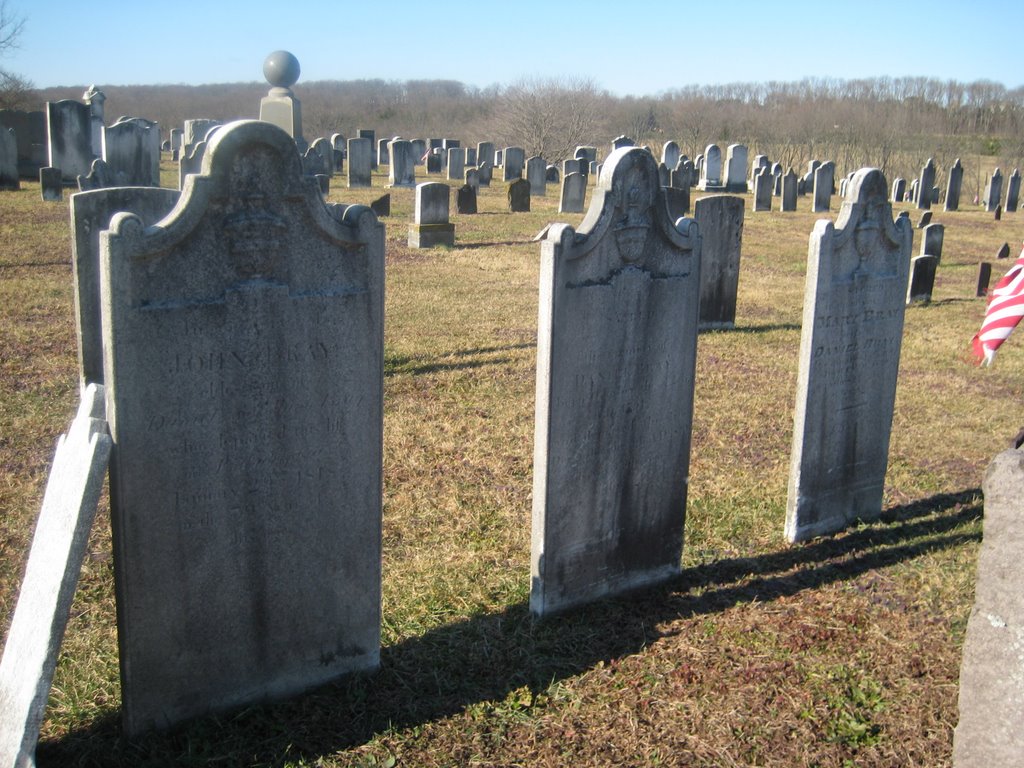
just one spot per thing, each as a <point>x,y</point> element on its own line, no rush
<point>628,48</point>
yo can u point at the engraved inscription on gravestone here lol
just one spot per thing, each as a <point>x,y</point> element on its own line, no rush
<point>849,357</point>
<point>617,335</point>
<point>243,360</point>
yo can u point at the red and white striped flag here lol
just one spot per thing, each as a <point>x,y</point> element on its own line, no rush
<point>1005,309</point>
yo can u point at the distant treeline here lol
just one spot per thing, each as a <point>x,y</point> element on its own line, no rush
<point>895,124</point>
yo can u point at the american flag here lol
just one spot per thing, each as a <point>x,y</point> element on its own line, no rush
<point>1005,309</point>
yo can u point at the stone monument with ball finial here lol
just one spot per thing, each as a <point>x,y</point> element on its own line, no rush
<point>280,106</point>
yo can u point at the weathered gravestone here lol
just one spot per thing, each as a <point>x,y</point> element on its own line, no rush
<point>243,366</point>
<point>191,161</point>
<point>552,175</point>
<point>91,213</point>
<point>484,173</point>
<point>536,174</point>
<point>69,138</point>
<point>670,154</point>
<point>513,163</point>
<point>519,196</point>
<point>924,186</point>
<point>720,219</point>
<point>931,240</point>
<point>8,159</point>
<point>849,357</point>
<point>435,162</point>
<point>51,575</point>
<point>922,278</point>
<point>587,154</point>
<point>984,278</point>
<point>572,166</point>
<point>97,178</point>
<point>711,171</point>
<point>763,181</point>
<point>370,135</point>
<point>993,191</point>
<point>280,106</point>
<point>51,184</point>
<point>574,191</point>
<point>1013,192</point>
<point>131,149</point>
<point>824,181</point>
<point>678,202</point>
<point>431,225</point>
<point>402,170</point>
<point>736,168</point>
<point>472,178</point>
<point>465,199</point>
<point>999,212</point>
<point>30,131</point>
<point>383,156</point>
<point>991,701</point>
<point>899,189</point>
<point>485,152</point>
<point>790,186</point>
<point>325,150</point>
<point>419,150</point>
<point>664,175</point>
<point>622,141</point>
<point>456,163</point>
<point>925,220</point>
<point>956,179</point>
<point>1004,251</point>
<point>360,164</point>
<point>382,205</point>
<point>617,339</point>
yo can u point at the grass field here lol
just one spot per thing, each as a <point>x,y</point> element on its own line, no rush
<point>838,652</point>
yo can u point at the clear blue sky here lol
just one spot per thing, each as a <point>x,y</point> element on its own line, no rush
<point>625,47</point>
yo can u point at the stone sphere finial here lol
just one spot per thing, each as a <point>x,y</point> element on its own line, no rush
<point>281,69</point>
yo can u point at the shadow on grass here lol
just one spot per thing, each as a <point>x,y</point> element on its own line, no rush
<point>479,661</point>
<point>395,364</point>
<point>470,246</point>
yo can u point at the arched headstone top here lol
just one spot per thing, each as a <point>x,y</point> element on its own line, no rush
<point>866,214</point>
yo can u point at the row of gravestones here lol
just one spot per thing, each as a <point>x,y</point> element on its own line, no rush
<point>240,350</point>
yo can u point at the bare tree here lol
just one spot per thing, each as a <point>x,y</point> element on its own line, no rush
<point>548,117</point>
<point>15,90</point>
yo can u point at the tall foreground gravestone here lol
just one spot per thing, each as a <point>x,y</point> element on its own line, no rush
<point>849,358</point>
<point>616,347</point>
<point>243,365</point>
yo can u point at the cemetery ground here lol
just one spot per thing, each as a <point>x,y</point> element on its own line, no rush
<point>839,651</point>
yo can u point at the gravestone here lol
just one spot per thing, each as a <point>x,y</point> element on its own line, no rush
<point>69,138</point>
<point>915,187</point>
<point>711,171</point>
<point>1013,192</point>
<point>777,174</point>
<point>280,106</point>
<point>97,178</point>
<point>736,168</point>
<point>191,161</point>
<point>95,99</point>
<point>9,160</point>
<point>999,212</point>
<point>371,135</point>
<point>536,174</point>
<point>991,690</point>
<point>484,172</point>
<point>670,154</point>
<point>572,166</point>
<point>931,241</point>
<point>849,358</point>
<point>759,162</point>
<point>763,182</point>
<point>574,191</point>
<point>720,219</point>
<point>244,366</point>
<point>1004,251</point>
<point>552,175</point>
<point>175,142</point>
<point>382,205</point>
<point>824,181</point>
<point>925,220</point>
<point>899,189</point>
<point>434,163</point>
<point>993,191</point>
<point>340,143</point>
<point>616,351</point>
<point>431,226</point>
<point>51,184</point>
<point>313,163</point>
<point>323,147</point>
<point>485,152</point>
<point>419,150</point>
<point>664,175</point>
<point>471,156</point>
<point>132,152</point>
<point>30,131</point>
<point>465,199</point>
<point>513,163</point>
<point>383,156</point>
<point>924,186</point>
<point>51,576</point>
<point>472,178</point>
<point>790,183</point>
<point>456,163</point>
<point>956,178</point>
<point>984,278</point>
<point>402,169</point>
<point>588,154</point>
<point>622,141</point>
<point>922,279</point>
<point>194,131</point>
<point>91,213</point>
<point>519,196</point>
<point>360,162</point>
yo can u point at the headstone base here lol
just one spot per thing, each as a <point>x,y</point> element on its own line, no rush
<point>431,235</point>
